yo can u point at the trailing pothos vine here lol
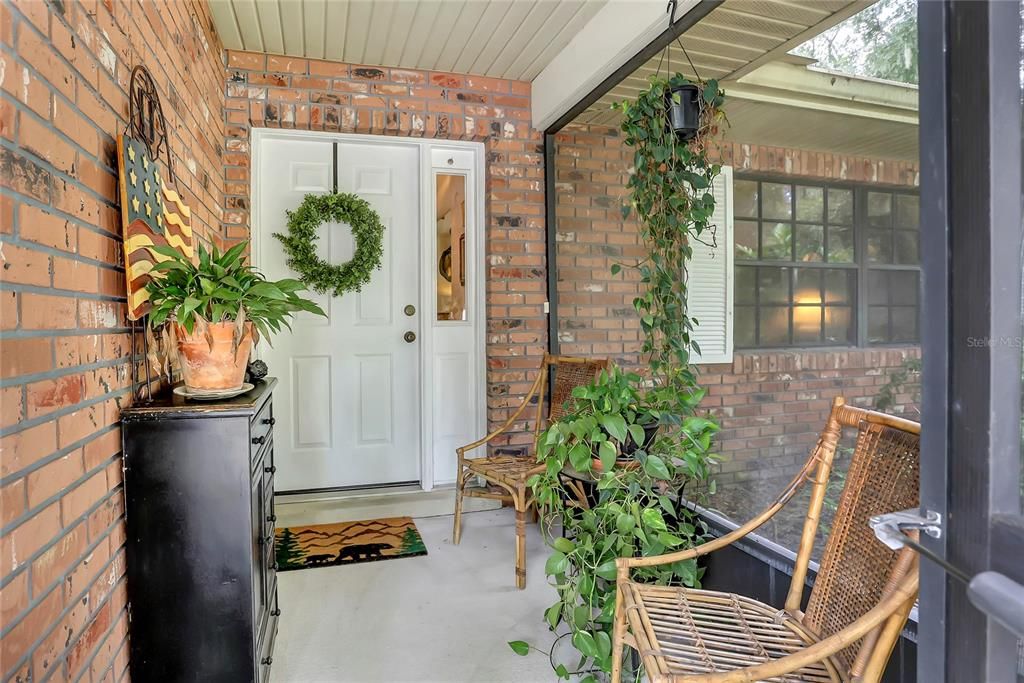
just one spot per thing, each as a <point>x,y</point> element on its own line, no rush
<point>640,440</point>
<point>671,194</point>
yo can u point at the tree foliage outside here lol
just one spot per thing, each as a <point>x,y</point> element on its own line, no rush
<point>879,42</point>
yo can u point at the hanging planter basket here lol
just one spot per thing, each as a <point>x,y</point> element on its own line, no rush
<point>682,102</point>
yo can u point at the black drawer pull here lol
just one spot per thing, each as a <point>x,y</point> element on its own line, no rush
<point>271,518</point>
<point>270,469</point>
<point>270,421</point>
<point>259,439</point>
<point>276,612</point>
<point>267,661</point>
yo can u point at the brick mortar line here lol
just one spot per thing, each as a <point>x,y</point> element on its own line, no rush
<point>56,173</point>
<point>58,620</point>
<point>63,332</point>
<point>102,133</point>
<point>57,212</point>
<point>109,668</point>
<point>64,530</point>
<point>45,290</point>
<point>87,665</point>
<point>26,568</point>
<point>96,60</point>
<point>18,241</point>
<point>65,450</point>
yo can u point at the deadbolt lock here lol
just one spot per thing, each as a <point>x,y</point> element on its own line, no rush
<point>410,337</point>
<point>409,309</point>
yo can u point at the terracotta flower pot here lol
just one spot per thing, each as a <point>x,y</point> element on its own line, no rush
<point>220,367</point>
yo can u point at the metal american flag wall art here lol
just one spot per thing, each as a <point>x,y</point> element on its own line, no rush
<point>152,213</point>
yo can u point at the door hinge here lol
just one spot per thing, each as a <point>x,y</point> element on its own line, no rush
<point>889,527</point>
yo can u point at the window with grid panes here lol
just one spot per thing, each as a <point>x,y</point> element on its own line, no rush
<point>822,265</point>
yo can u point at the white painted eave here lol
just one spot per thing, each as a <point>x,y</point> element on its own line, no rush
<point>620,30</point>
<point>798,85</point>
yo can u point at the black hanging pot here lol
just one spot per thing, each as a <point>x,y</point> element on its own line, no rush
<point>683,105</point>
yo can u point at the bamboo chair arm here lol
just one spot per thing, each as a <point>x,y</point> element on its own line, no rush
<point>461,450</point>
<point>624,564</point>
<point>905,592</point>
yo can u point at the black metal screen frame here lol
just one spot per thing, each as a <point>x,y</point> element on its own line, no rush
<point>970,132</point>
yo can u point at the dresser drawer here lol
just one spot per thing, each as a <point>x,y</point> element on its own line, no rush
<point>260,430</point>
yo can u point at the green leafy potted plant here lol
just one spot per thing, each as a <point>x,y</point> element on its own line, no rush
<point>639,507</point>
<point>213,311</point>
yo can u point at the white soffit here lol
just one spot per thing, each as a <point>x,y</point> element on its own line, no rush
<point>733,40</point>
<point>512,39</point>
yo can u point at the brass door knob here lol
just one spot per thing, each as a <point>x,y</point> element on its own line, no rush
<point>410,337</point>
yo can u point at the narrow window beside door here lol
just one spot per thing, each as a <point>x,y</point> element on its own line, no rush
<point>450,277</point>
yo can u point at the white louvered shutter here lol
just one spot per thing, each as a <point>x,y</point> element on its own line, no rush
<point>711,280</point>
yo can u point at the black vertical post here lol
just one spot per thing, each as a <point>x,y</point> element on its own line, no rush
<point>971,211</point>
<point>550,228</point>
<point>934,131</point>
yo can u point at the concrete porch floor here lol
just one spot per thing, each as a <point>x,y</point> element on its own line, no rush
<point>445,617</point>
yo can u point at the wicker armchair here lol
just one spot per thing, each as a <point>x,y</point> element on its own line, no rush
<point>510,472</point>
<point>857,608</point>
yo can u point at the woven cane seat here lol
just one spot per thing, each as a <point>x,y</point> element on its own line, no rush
<point>685,632</point>
<point>507,469</point>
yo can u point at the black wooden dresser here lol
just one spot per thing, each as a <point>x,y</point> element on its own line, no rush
<point>199,506</point>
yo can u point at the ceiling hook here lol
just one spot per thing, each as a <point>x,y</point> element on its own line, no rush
<point>671,9</point>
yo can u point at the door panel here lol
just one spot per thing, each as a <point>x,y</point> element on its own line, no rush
<point>350,382</point>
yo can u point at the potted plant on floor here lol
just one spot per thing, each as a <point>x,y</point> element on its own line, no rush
<point>211,313</point>
<point>639,509</point>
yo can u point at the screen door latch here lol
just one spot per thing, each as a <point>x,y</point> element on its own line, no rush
<point>889,527</point>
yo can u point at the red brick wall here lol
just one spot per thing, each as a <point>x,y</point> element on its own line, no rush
<point>286,92</point>
<point>771,405</point>
<point>64,373</point>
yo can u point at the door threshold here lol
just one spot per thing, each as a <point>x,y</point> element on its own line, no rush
<point>346,492</point>
<point>361,504</point>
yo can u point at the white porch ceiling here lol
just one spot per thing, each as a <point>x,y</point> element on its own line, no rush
<point>500,38</point>
<point>734,39</point>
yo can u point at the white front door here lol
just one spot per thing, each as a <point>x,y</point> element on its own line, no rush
<point>347,406</point>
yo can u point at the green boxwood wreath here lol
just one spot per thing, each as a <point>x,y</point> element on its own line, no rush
<point>300,242</point>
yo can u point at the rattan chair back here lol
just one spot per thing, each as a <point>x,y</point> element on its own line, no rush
<point>569,372</point>
<point>856,567</point>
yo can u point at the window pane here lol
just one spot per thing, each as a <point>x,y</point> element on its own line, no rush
<point>810,243</point>
<point>840,206</point>
<point>906,247</point>
<point>904,323</point>
<point>744,332</point>
<point>773,285</point>
<point>746,239</point>
<point>806,324</point>
<point>908,211</point>
<point>776,201</point>
<point>838,286</point>
<point>838,325</point>
<point>878,287</point>
<point>879,209</point>
<point>810,203</point>
<point>745,192</point>
<point>807,286</point>
<point>746,278</point>
<point>776,241</point>
<point>880,246</point>
<point>878,323</point>
<point>903,288</point>
<point>840,245</point>
<point>774,326</point>
<point>451,247</point>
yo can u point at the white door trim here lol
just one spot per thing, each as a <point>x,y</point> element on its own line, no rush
<point>476,270</point>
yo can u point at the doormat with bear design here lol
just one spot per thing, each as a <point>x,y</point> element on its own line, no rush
<point>328,545</point>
